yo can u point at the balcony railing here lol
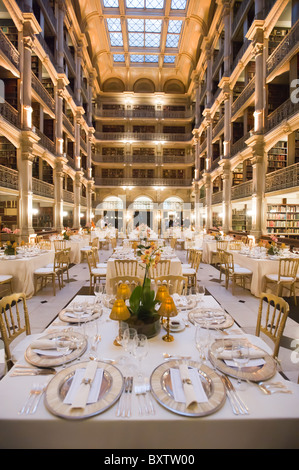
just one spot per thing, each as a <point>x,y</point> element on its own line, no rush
<point>69,57</point>
<point>45,141</point>
<point>42,92</point>
<point>68,196</point>
<point>203,146</point>
<point>83,201</point>
<point>288,46</point>
<point>242,190</point>
<point>151,136</point>
<point>143,182</point>
<point>9,178</point>
<point>217,60</point>
<point>68,125</point>
<point>284,111</point>
<point>217,198</point>
<point>241,11</point>
<point>153,159</point>
<point>9,113</point>
<point>143,113</point>
<point>246,94</point>
<point>42,188</point>
<point>282,179</point>
<point>9,50</point>
<point>239,145</point>
<point>218,128</point>
<point>46,48</point>
<point>240,53</point>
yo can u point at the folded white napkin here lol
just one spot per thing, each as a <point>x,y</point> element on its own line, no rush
<point>48,344</point>
<point>185,392</point>
<point>78,395</point>
<point>253,354</point>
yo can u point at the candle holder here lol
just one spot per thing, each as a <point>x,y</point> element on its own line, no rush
<point>119,313</point>
<point>168,309</point>
<point>123,291</point>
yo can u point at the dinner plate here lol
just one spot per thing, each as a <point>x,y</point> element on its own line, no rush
<point>63,315</point>
<point>162,389</point>
<point>253,373</point>
<point>184,303</point>
<point>44,360</point>
<point>211,318</point>
<point>110,391</point>
<point>175,326</point>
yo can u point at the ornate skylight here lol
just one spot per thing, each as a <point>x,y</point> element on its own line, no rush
<point>145,31</point>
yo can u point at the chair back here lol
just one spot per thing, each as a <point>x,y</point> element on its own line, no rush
<point>90,260</point>
<point>228,261</point>
<point>94,242</point>
<point>272,317</point>
<point>162,269</point>
<point>14,320</point>
<point>125,267</point>
<point>95,252</point>
<point>59,245</point>
<point>221,244</point>
<point>196,260</point>
<point>44,244</point>
<point>175,284</point>
<point>190,254</point>
<point>288,267</point>
<point>132,281</point>
<point>173,243</point>
<point>235,245</point>
<point>113,243</point>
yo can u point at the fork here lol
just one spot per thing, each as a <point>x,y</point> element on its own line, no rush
<point>121,400</point>
<point>30,400</point>
<point>127,409</point>
<point>140,391</point>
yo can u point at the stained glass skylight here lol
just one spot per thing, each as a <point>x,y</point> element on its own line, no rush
<point>110,3</point>
<point>169,59</point>
<point>159,4</point>
<point>178,4</point>
<point>118,57</point>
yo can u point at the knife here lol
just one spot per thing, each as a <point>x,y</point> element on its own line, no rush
<point>240,402</point>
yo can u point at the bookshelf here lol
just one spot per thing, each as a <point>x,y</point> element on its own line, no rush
<point>241,222</point>
<point>297,147</point>
<point>276,36</point>
<point>8,154</point>
<point>283,219</point>
<point>237,176</point>
<point>277,156</point>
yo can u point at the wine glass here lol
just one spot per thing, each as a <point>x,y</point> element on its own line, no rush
<point>201,342</point>
<point>98,291</point>
<point>78,311</point>
<point>127,340</point>
<point>200,292</point>
<point>240,355</point>
<point>63,346</point>
<point>140,350</point>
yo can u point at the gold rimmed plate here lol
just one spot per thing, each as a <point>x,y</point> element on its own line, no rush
<point>162,389</point>
<point>211,318</point>
<point>109,392</point>
<point>66,316</point>
<point>255,373</point>
<point>43,360</point>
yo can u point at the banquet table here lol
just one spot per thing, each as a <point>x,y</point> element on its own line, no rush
<point>259,267</point>
<point>22,270</point>
<point>75,245</point>
<point>208,246</point>
<point>272,422</point>
<point>175,270</point>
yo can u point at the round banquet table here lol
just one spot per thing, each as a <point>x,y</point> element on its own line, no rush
<point>22,270</point>
<point>272,422</point>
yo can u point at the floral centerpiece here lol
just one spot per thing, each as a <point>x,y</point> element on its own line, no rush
<point>142,302</point>
<point>11,244</point>
<point>272,247</point>
<point>10,249</point>
<point>66,234</point>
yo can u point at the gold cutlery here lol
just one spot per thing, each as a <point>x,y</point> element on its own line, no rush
<point>32,401</point>
<point>23,371</point>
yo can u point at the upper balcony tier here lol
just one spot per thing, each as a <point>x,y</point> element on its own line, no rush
<point>154,114</point>
<point>144,159</point>
<point>146,182</point>
<point>130,137</point>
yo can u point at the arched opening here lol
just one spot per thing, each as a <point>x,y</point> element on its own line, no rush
<point>110,213</point>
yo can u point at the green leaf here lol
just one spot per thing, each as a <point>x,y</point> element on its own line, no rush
<point>135,299</point>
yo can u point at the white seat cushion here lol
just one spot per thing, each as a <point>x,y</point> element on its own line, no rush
<point>101,265</point>
<point>189,271</point>
<point>99,271</point>
<point>5,277</point>
<point>274,277</point>
<point>240,270</point>
<point>44,270</point>
<point>186,266</point>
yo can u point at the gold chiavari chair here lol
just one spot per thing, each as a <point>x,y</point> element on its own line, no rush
<point>190,254</point>
<point>13,321</point>
<point>94,272</point>
<point>285,278</point>
<point>175,284</point>
<point>191,273</point>
<point>94,242</point>
<point>235,273</point>
<point>50,273</point>
<point>235,245</point>
<point>162,269</point>
<point>173,243</point>
<point>220,245</point>
<point>59,245</point>
<point>125,267</point>
<point>132,281</point>
<point>97,259</point>
<point>6,280</point>
<point>272,316</point>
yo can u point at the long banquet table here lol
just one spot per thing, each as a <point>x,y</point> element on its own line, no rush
<point>22,270</point>
<point>272,422</point>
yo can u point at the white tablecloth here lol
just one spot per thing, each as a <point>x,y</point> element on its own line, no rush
<point>175,270</point>
<point>207,249</point>
<point>273,421</point>
<point>75,246</point>
<point>22,270</point>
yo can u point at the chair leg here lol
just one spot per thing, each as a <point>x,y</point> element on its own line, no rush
<point>53,282</point>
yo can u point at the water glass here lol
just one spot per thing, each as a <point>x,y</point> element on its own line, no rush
<point>140,350</point>
<point>201,342</point>
<point>240,355</point>
<point>200,293</point>
<point>63,345</point>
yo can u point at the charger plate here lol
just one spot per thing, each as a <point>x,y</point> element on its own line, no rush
<point>66,318</point>
<point>162,390</point>
<point>110,391</point>
<point>42,360</point>
<point>216,318</point>
<point>252,373</point>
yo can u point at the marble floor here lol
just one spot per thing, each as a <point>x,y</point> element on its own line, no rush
<point>243,307</point>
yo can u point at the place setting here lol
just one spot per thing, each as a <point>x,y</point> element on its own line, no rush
<point>80,311</point>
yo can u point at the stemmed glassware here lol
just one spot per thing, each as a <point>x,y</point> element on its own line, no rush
<point>200,292</point>
<point>63,345</point>
<point>140,350</point>
<point>98,291</point>
<point>240,355</point>
<point>201,342</point>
